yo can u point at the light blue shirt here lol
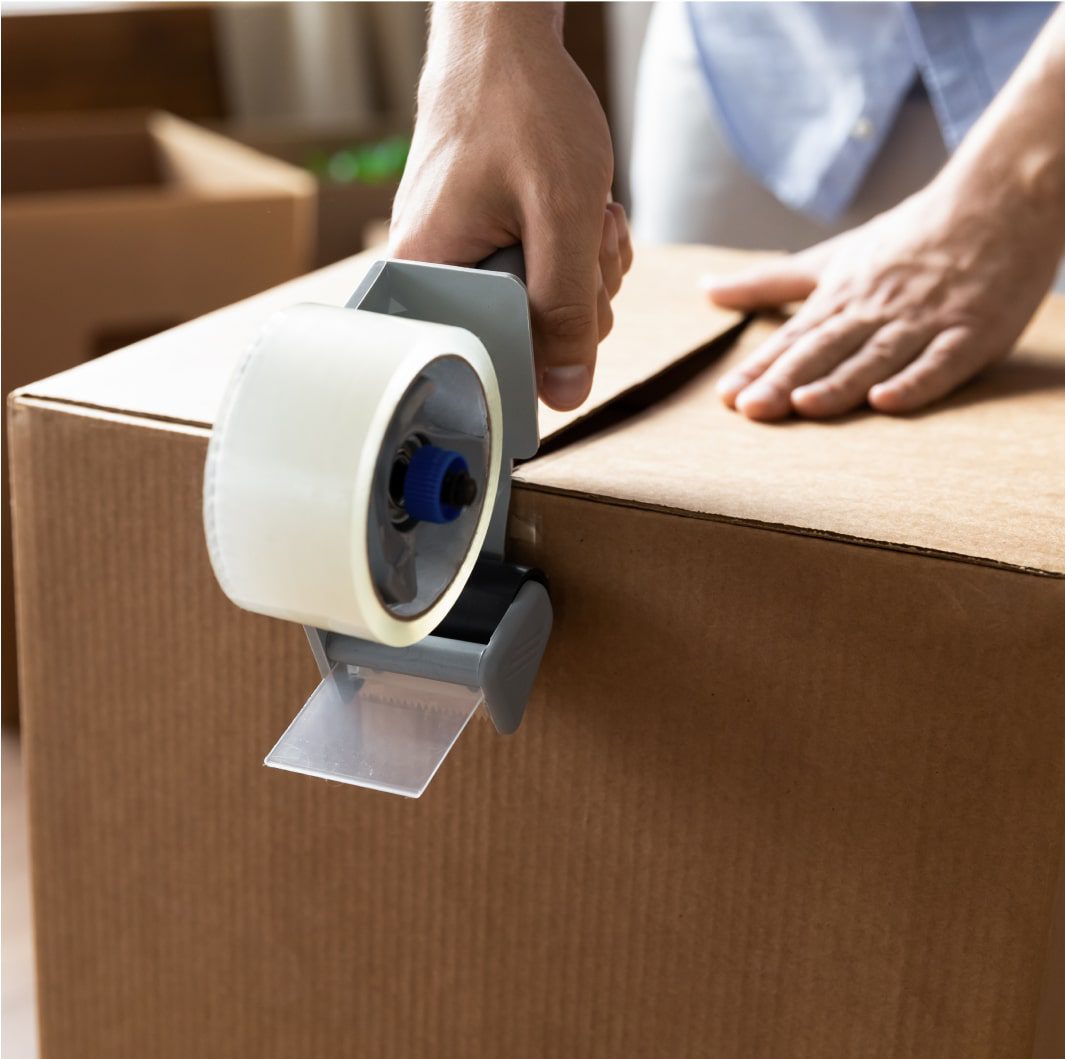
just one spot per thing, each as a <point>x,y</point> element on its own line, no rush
<point>808,92</point>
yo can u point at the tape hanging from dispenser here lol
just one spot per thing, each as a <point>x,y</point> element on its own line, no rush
<point>299,519</point>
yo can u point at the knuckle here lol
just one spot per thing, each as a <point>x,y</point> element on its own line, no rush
<point>765,356</point>
<point>833,328</point>
<point>810,347</point>
<point>791,330</point>
<point>568,319</point>
<point>880,353</point>
<point>865,318</point>
<point>941,357</point>
<point>576,203</point>
<point>826,338</point>
<point>606,320</point>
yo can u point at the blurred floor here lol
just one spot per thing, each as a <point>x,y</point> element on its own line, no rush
<point>18,1029</point>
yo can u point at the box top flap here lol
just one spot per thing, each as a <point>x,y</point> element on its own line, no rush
<point>180,375</point>
<point>123,151</point>
<point>980,475</point>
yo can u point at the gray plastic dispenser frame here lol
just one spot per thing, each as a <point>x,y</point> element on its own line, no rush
<point>385,717</point>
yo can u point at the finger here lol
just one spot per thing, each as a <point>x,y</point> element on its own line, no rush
<point>431,234</point>
<point>624,235</point>
<point>442,246</point>
<point>738,379</point>
<point>813,356</point>
<point>951,358</point>
<point>605,312</point>
<point>609,255</point>
<point>845,388</point>
<point>562,267</point>
<point>775,282</point>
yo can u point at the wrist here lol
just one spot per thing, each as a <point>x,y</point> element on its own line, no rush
<point>1013,159</point>
<point>481,31</point>
<point>472,45</point>
<point>1022,183</point>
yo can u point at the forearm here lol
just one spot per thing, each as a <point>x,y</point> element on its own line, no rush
<point>1016,151</point>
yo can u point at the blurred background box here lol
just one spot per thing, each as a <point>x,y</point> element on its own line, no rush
<point>121,224</point>
<point>117,225</point>
<point>357,166</point>
<point>63,56</point>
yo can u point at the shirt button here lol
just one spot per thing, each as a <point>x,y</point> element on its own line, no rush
<point>863,129</point>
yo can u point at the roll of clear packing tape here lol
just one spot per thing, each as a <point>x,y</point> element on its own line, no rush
<point>302,516</point>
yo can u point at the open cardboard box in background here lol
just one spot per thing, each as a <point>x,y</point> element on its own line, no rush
<point>791,783</point>
<point>350,215</point>
<point>118,225</point>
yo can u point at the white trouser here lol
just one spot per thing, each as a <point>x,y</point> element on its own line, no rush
<point>689,187</point>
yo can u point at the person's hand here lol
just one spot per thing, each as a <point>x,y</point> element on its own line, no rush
<point>909,306</point>
<point>898,312</point>
<point>511,145</point>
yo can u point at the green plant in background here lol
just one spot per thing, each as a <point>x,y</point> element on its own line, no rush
<point>365,163</point>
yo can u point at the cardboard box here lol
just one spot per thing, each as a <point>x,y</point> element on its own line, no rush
<point>119,225</point>
<point>77,57</point>
<point>350,215</point>
<point>792,782</point>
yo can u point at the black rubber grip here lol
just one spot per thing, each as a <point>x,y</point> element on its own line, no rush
<point>488,593</point>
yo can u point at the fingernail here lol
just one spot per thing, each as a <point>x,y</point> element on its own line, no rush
<point>567,387</point>
<point>885,397</point>
<point>710,282</point>
<point>758,393</point>
<point>731,384</point>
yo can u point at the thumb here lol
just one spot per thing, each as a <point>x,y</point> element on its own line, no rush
<point>562,268</point>
<point>775,282</point>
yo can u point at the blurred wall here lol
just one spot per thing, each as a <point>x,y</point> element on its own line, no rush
<point>313,63</point>
<point>320,63</point>
<point>329,63</point>
<point>626,25</point>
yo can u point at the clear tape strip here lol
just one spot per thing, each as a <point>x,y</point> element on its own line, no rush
<point>385,731</point>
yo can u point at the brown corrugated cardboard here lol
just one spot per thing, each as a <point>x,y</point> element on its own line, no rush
<point>979,477</point>
<point>180,375</point>
<point>119,225</point>
<point>792,782</point>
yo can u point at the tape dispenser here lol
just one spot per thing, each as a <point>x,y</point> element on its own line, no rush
<point>358,482</point>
